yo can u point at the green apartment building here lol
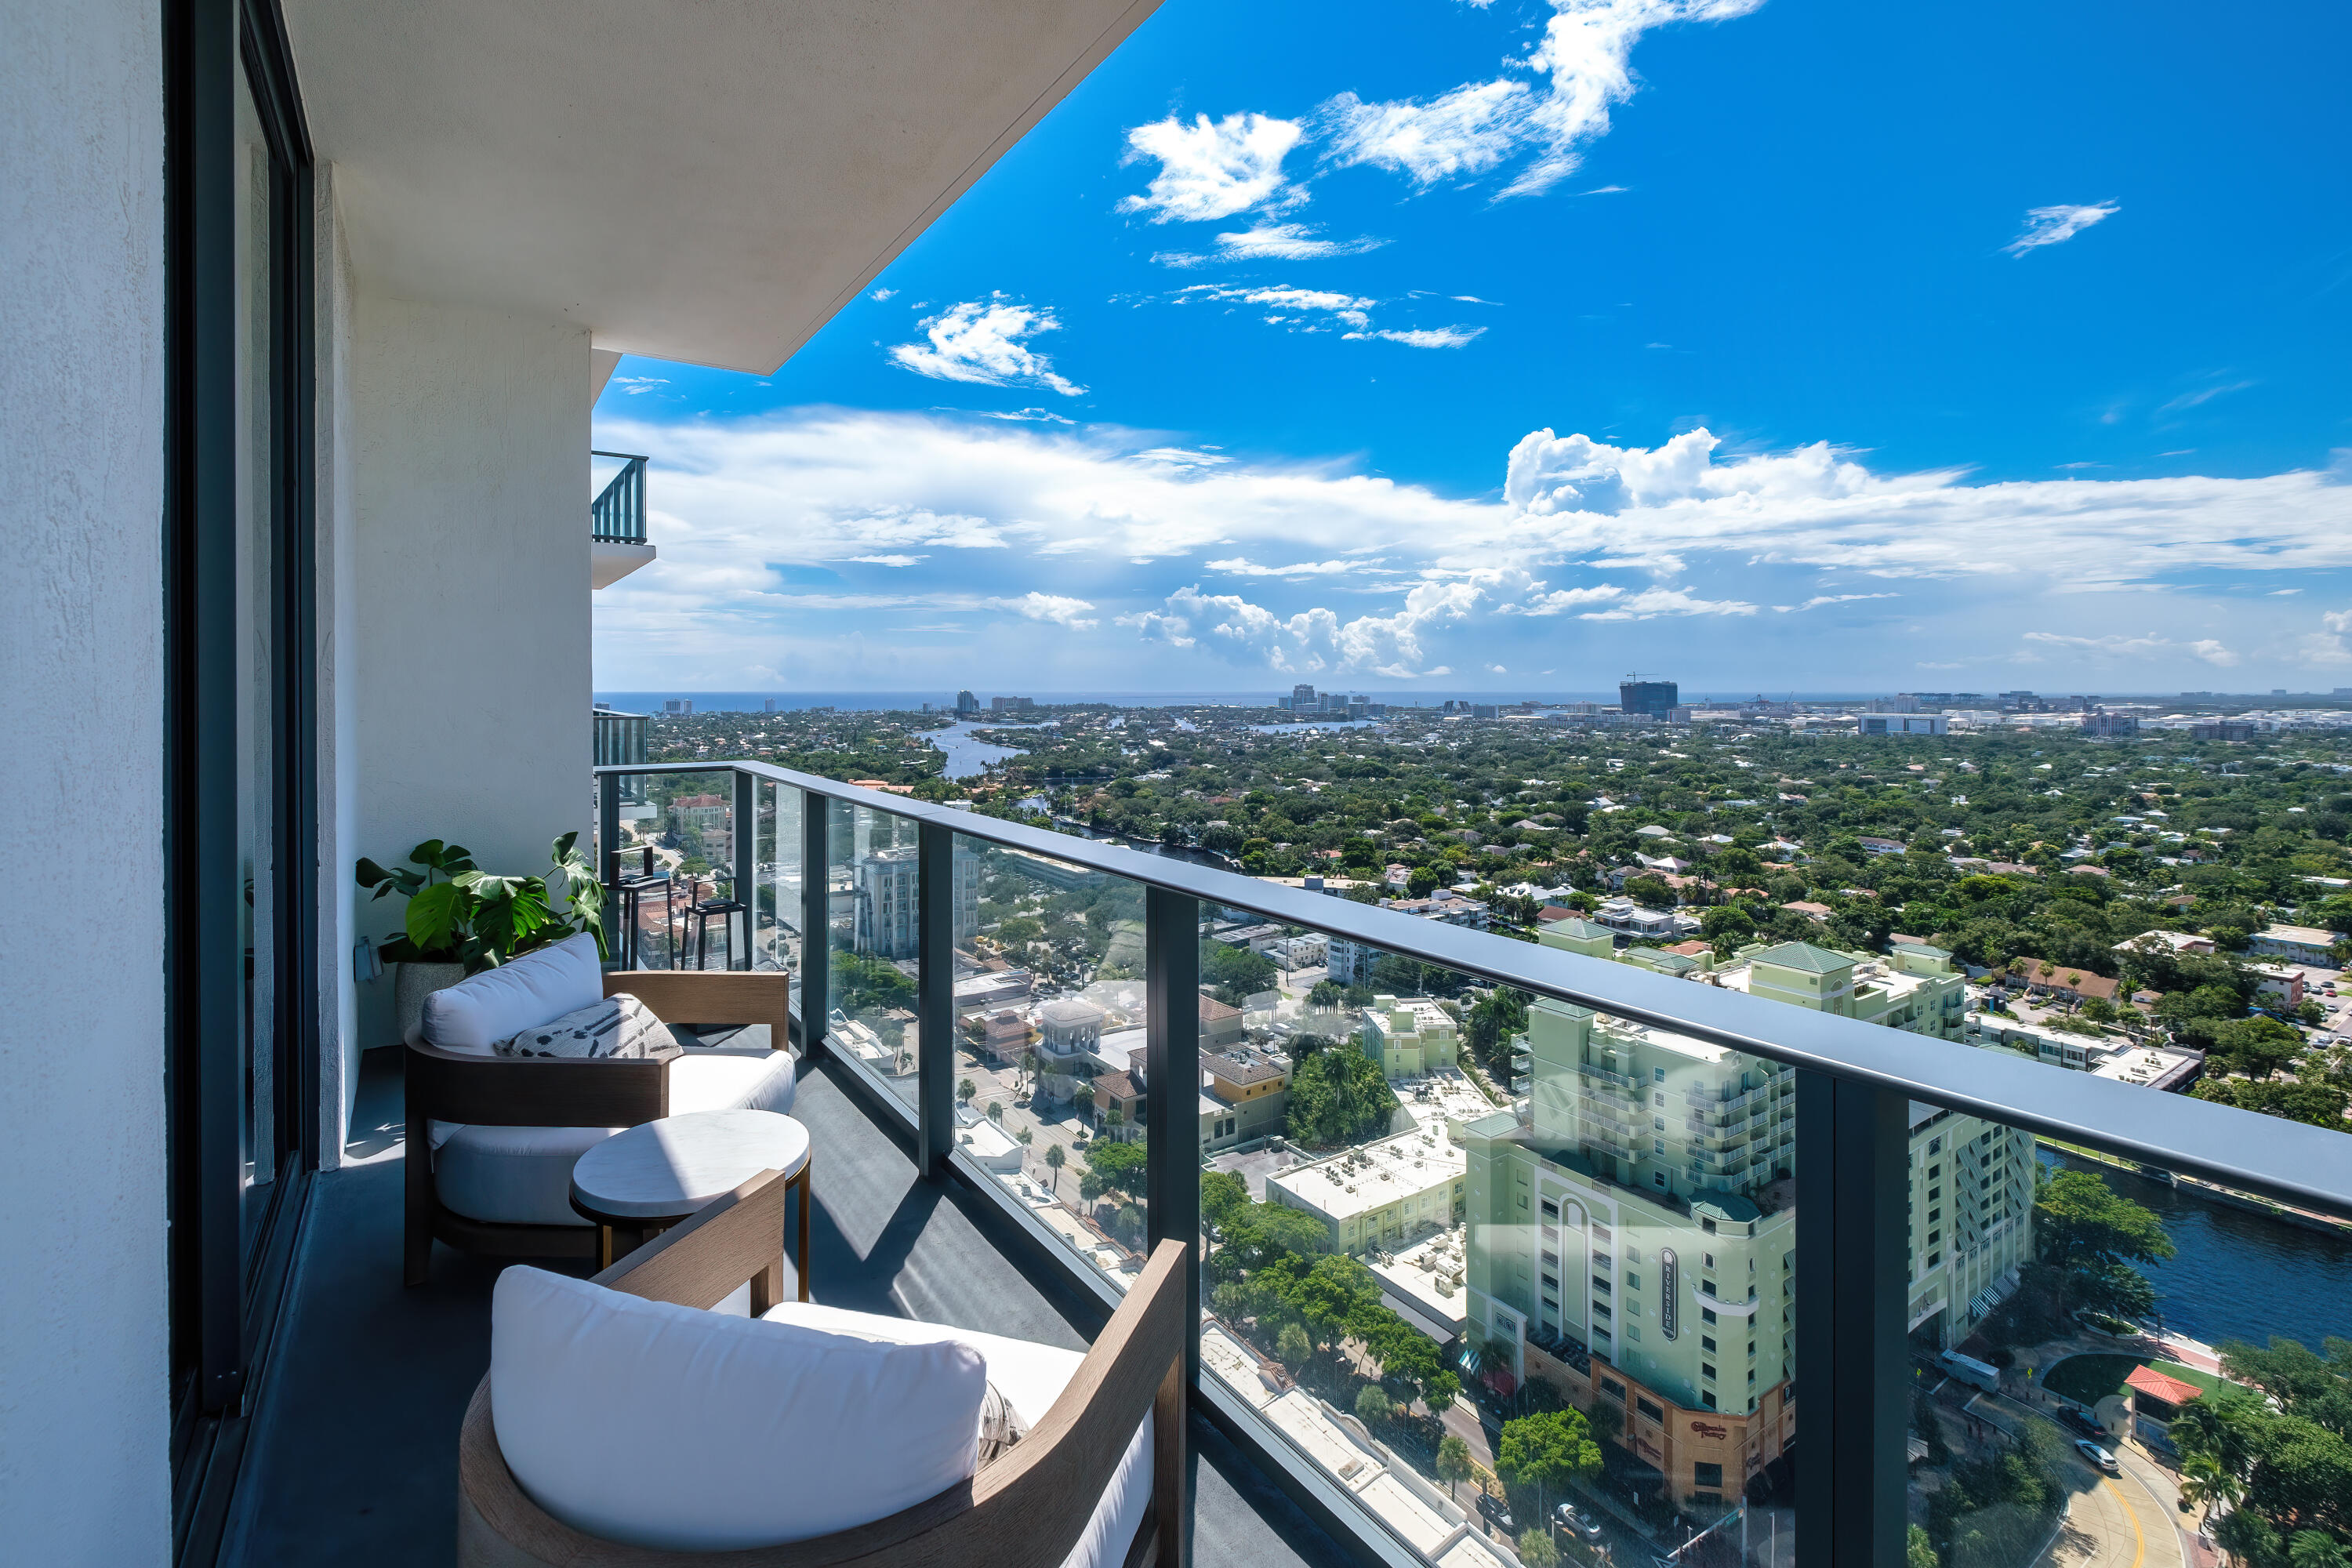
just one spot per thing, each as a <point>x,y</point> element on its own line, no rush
<point>1633,1229</point>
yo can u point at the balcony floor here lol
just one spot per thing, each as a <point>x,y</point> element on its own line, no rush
<point>353,1457</point>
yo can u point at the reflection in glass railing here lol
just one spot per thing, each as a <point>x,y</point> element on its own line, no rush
<point>2157,1372</point>
<point>877,945</point>
<point>776,863</point>
<point>1504,1267</point>
<point>673,874</point>
<point>1050,1064</point>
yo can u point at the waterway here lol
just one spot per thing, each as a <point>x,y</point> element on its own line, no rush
<point>967,753</point>
<point>2239,1275</point>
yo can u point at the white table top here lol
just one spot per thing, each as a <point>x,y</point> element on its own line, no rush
<point>669,1168</point>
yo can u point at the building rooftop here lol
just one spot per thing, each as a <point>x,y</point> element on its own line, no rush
<point>1376,1175</point>
<point>1804,956</point>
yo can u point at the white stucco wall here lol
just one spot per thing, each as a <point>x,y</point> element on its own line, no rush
<point>468,695</point>
<point>84,1415</point>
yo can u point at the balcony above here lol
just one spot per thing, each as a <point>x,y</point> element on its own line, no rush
<point>616,523</point>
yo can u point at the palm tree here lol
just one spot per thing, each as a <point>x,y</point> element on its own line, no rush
<point>1453,1464</point>
<point>2205,1483</point>
<point>1054,1160</point>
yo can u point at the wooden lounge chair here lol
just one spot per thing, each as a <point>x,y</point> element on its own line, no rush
<point>1026,1509</point>
<point>515,1203</point>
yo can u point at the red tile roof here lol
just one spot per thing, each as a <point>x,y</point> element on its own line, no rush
<point>2172,1390</point>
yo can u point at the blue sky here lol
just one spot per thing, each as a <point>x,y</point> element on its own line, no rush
<point>1430,346</point>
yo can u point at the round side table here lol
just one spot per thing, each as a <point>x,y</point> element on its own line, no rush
<point>651,1176</point>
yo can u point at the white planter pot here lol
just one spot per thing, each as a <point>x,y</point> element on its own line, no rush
<point>411,986</point>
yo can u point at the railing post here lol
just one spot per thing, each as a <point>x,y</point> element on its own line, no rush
<point>1852,1239</point>
<point>745,842</point>
<point>608,829</point>
<point>1172,1115</point>
<point>816,919</point>
<point>935,995</point>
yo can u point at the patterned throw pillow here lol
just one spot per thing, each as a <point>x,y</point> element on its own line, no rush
<point>1000,1427</point>
<point>616,1027</point>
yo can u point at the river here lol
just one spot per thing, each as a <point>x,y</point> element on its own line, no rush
<point>967,754</point>
<point>2239,1275</point>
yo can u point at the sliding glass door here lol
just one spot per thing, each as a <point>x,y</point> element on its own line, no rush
<point>240,771</point>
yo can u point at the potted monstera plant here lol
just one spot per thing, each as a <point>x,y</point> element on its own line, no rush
<point>462,919</point>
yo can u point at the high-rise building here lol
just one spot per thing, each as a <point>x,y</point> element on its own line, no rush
<point>967,703</point>
<point>768,705</point>
<point>1632,1224</point>
<point>1654,696</point>
<point>677,705</point>
<point>1303,698</point>
<point>888,883</point>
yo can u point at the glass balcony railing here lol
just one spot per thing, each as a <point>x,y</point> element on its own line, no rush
<point>1474,1300</point>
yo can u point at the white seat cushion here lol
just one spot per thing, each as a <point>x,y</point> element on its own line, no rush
<point>1032,1376</point>
<point>659,1426</point>
<point>522,1175</point>
<point>520,993</point>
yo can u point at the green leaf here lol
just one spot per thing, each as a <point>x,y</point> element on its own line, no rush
<point>434,914</point>
<point>369,873</point>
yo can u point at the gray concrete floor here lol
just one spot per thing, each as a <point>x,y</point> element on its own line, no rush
<point>353,1456</point>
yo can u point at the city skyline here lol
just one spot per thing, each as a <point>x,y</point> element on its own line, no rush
<point>1319,358</point>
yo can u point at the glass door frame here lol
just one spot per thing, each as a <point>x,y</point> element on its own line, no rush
<point>226,1278</point>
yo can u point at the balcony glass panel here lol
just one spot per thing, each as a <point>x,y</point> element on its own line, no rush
<point>677,852</point>
<point>2119,1358</point>
<point>1051,1076</point>
<point>1383,1212</point>
<point>876,972</point>
<point>776,879</point>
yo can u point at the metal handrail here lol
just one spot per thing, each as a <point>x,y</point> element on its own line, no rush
<point>617,515</point>
<point>2284,1160</point>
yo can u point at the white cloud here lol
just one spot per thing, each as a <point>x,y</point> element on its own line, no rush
<point>2194,399</point>
<point>881,294</point>
<point>2052,225</point>
<point>1057,608</point>
<point>1426,337</point>
<point>1582,67</point>
<point>1818,600</point>
<point>1006,509</point>
<point>891,560</point>
<point>1271,242</point>
<point>982,341</point>
<point>1651,603</point>
<point>1242,566</point>
<point>1212,170</point>
<point>639,386</point>
<point>2330,647</point>
<point>1031,416</point>
<point>1463,132</point>
<point>2147,645</point>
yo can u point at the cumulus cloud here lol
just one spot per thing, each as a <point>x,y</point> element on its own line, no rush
<point>1580,526</point>
<point>1212,169</point>
<point>1580,69</point>
<point>1271,242</point>
<point>983,342</point>
<point>2147,645</point>
<point>2054,226</point>
<point>1058,608</point>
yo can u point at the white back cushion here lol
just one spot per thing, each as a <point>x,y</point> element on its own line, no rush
<point>521,994</point>
<point>663,1426</point>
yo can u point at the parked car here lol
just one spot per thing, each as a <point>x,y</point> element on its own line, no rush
<point>1583,1526</point>
<point>2098,1457</point>
<point>2080,1422</point>
<point>1495,1511</point>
